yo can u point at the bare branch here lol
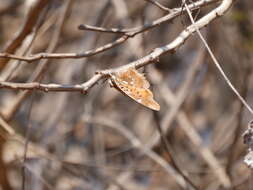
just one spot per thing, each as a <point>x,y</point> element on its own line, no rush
<point>160,6</point>
<point>215,61</point>
<point>136,143</point>
<point>30,21</point>
<point>127,33</point>
<point>52,87</point>
<point>150,58</point>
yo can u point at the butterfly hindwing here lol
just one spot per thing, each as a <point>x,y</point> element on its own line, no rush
<point>134,85</point>
<point>132,77</point>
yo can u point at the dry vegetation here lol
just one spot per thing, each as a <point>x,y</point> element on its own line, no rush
<point>89,136</point>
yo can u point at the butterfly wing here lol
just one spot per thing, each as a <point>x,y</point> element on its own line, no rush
<point>134,78</point>
<point>141,95</point>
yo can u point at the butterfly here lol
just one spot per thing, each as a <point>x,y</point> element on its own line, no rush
<point>135,85</point>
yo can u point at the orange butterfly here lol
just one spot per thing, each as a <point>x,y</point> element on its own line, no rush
<point>134,85</point>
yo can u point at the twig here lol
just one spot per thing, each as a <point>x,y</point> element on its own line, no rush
<point>52,87</point>
<point>7,128</point>
<point>127,33</point>
<point>168,150</point>
<point>150,58</point>
<point>247,71</point>
<point>70,166</point>
<point>13,67</point>
<point>195,138</point>
<point>178,102</point>
<point>227,3</point>
<point>30,21</point>
<point>41,68</point>
<point>160,6</point>
<point>102,29</point>
<point>138,145</point>
<point>39,176</point>
<point>27,138</point>
<point>174,102</point>
<point>136,30</point>
<point>32,58</point>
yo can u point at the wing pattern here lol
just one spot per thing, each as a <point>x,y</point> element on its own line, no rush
<point>135,85</point>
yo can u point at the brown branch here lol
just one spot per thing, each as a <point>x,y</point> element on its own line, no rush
<point>127,33</point>
<point>247,72</point>
<point>15,67</point>
<point>102,29</point>
<point>136,143</point>
<point>160,6</point>
<point>136,30</point>
<point>52,87</point>
<point>168,150</point>
<point>41,68</point>
<point>150,58</point>
<point>186,125</point>
<point>88,53</point>
<point>30,21</point>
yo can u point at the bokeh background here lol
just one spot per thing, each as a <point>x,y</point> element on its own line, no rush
<point>85,142</point>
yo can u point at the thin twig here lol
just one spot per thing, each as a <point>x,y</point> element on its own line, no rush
<point>181,95</point>
<point>40,177</point>
<point>148,59</point>
<point>174,102</point>
<point>159,5</point>
<point>127,33</point>
<point>42,66</point>
<point>30,20</point>
<point>53,87</point>
<point>9,71</point>
<point>188,128</point>
<point>247,71</point>
<point>102,29</point>
<point>32,58</point>
<point>27,138</point>
<point>138,145</point>
<point>7,128</point>
<point>168,150</point>
<point>136,30</point>
<point>215,61</point>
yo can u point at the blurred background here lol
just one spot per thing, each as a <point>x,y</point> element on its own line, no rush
<point>104,140</point>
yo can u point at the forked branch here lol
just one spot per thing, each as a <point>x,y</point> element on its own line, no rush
<point>148,59</point>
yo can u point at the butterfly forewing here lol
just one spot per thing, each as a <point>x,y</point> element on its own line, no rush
<point>134,85</point>
<point>132,77</point>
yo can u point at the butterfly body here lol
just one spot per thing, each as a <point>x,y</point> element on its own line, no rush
<point>134,85</point>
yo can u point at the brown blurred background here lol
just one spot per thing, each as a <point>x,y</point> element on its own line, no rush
<point>85,142</point>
